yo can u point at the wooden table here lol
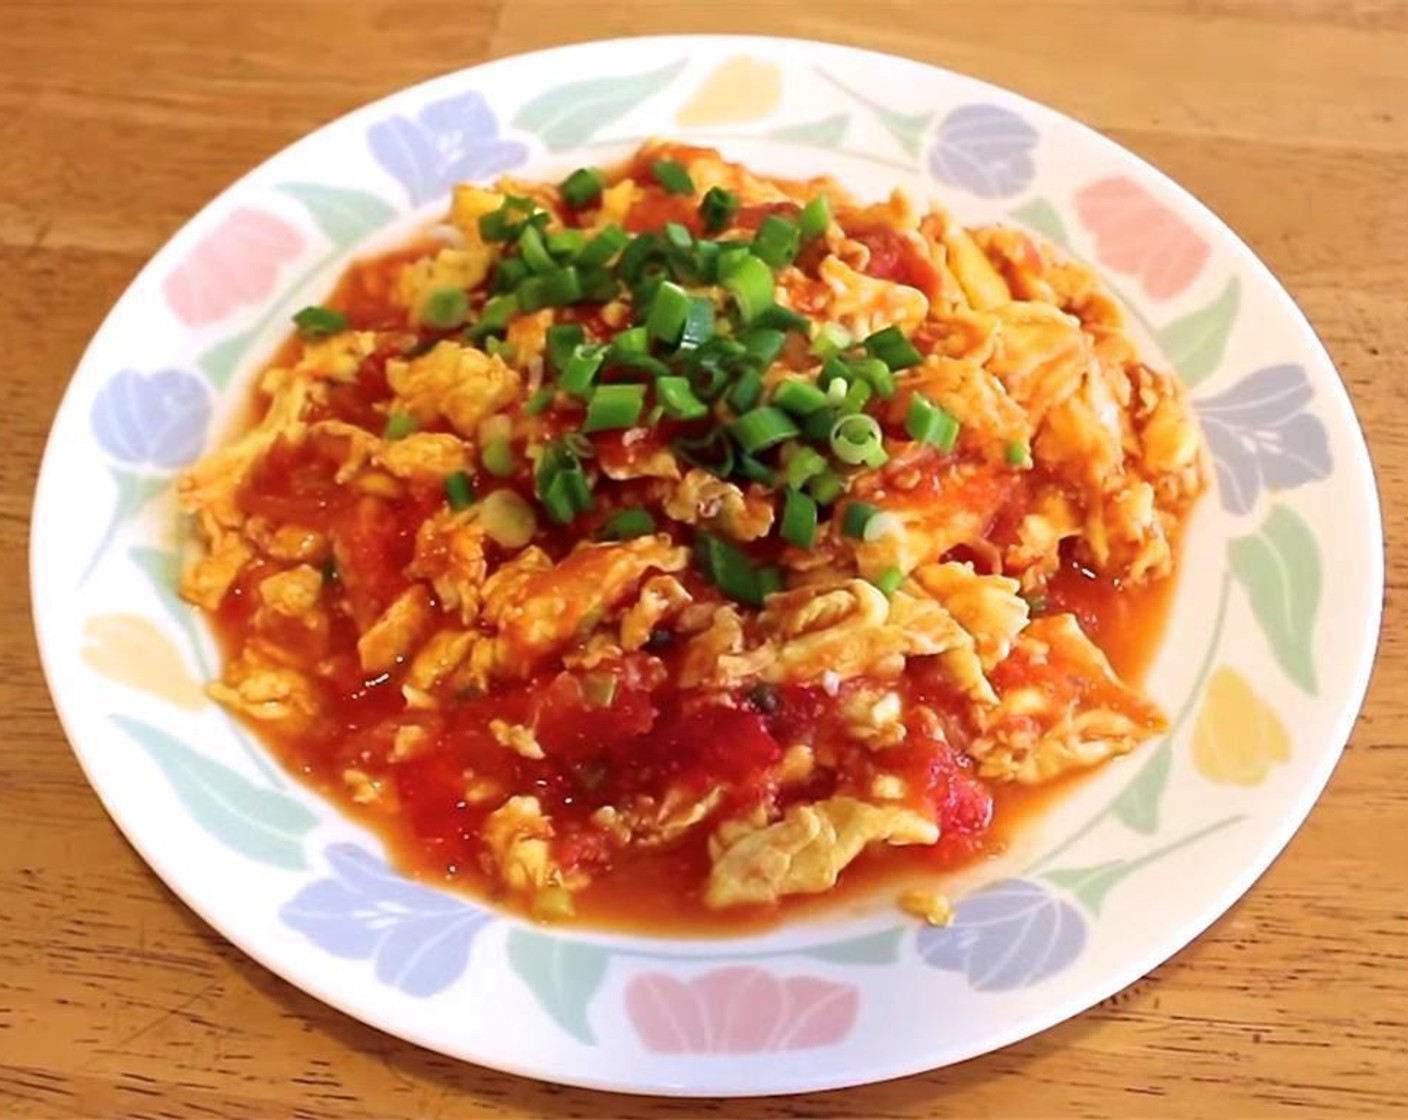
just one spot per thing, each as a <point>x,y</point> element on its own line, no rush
<point>119,119</point>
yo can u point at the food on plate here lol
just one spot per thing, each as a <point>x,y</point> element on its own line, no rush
<point>667,541</point>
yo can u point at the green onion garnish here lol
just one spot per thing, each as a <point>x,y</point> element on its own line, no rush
<point>581,368</point>
<point>539,402</point>
<point>635,340</point>
<point>815,217</point>
<point>398,426</point>
<point>777,317</point>
<point>1017,453</point>
<point>856,517</point>
<point>777,241</point>
<point>717,208</point>
<point>505,223</point>
<point>459,491</point>
<point>561,484</point>
<point>557,288</point>
<point>445,308</point>
<point>319,322</point>
<point>817,427</point>
<point>673,176</point>
<point>826,487</point>
<point>678,399</point>
<point>668,312</point>
<point>876,374</point>
<point>582,187</point>
<point>799,519</point>
<point>763,343</point>
<point>625,525</point>
<point>831,338</point>
<point>729,569</point>
<point>613,407</point>
<point>678,236</point>
<point>755,471</point>
<point>497,458</point>
<point>803,464</point>
<point>892,348</point>
<point>565,244</point>
<point>889,581</point>
<point>494,318</point>
<point>508,274</point>
<point>598,285</point>
<point>858,392</point>
<point>601,248</point>
<point>698,323</point>
<point>761,428</point>
<point>800,398</point>
<point>562,340</point>
<point>713,452</point>
<point>928,423</point>
<point>746,391</point>
<point>749,281</point>
<point>496,346</point>
<point>533,250</point>
<point>856,439</point>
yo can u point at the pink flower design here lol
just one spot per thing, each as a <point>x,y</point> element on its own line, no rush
<point>1138,235</point>
<point>236,263</point>
<point>739,1010</point>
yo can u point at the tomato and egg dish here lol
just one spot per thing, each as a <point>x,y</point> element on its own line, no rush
<point>667,541</point>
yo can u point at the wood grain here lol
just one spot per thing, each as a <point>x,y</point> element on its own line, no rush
<point>119,119</point>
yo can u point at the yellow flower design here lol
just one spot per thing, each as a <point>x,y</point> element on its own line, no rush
<point>131,651</point>
<point>740,89</point>
<point>1237,737</point>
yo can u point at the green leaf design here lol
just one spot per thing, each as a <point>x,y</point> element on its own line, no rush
<point>1041,216</point>
<point>871,948</point>
<point>345,216</point>
<point>572,113</point>
<point>134,491</point>
<point>1194,343</point>
<point>1280,568</point>
<point>906,128</point>
<point>1091,884</point>
<point>260,823</point>
<point>563,975</point>
<point>1137,805</point>
<point>220,360</point>
<point>164,570</point>
<point>824,133</point>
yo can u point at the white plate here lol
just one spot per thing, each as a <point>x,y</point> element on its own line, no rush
<point>1264,664</point>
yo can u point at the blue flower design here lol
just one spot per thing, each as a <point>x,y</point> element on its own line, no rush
<point>1261,436</point>
<point>985,150</point>
<point>1009,935</point>
<point>157,419</point>
<point>447,142</point>
<point>418,938</point>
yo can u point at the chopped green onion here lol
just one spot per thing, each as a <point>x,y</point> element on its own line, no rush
<point>777,317</point>
<point>835,369</point>
<point>642,250</point>
<point>399,425</point>
<point>877,375</point>
<point>799,519</point>
<point>598,285</point>
<point>761,428</point>
<point>831,338</point>
<point>1017,453</point>
<point>506,351</point>
<point>763,343</point>
<point>815,217</point>
<point>581,368</point>
<point>889,581</point>
<point>508,519</point>
<point>673,176</point>
<point>613,407</point>
<point>777,241</point>
<point>319,322</point>
<point>678,399</point>
<point>857,394</point>
<point>635,340</point>
<point>539,402</point>
<point>713,452</point>
<point>678,236</point>
<point>928,423</point>
<point>668,312</point>
<point>817,427</point>
<point>494,318</point>
<point>601,248</point>
<point>749,281</point>
<point>445,308</point>
<point>557,501</point>
<point>509,273</point>
<point>855,438</point>
<point>698,323</point>
<point>640,363</point>
<point>498,459</point>
<point>459,491</point>
<point>557,288</point>
<point>800,398</point>
<point>1037,603</point>
<point>533,251</point>
<point>703,266</point>
<point>582,187</point>
<point>803,464</point>
<point>746,391</point>
<point>505,223</point>
<point>755,471</point>
<point>562,340</point>
<point>892,348</point>
<point>856,517</point>
<point>826,487</point>
<point>627,524</point>
<point>717,208</point>
<point>561,484</point>
<point>729,569</point>
<point>565,244</point>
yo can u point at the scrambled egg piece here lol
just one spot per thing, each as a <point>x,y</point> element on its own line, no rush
<point>864,304</point>
<point>460,383</point>
<point>806,851</point>
<point>702,499</point>
<point>400,627</point>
